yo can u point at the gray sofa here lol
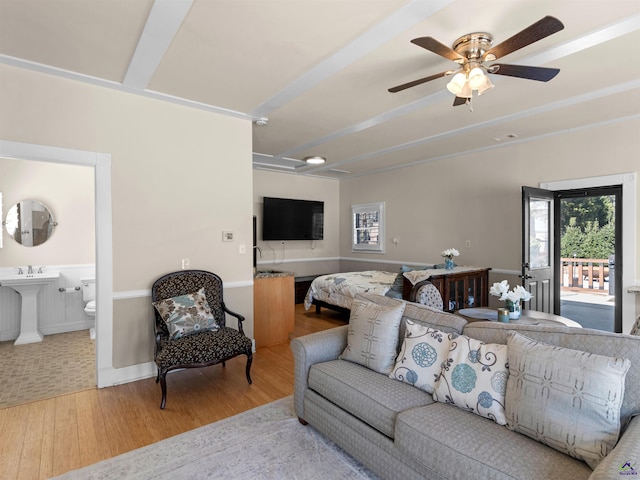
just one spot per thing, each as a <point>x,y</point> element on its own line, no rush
<point>400,432</point>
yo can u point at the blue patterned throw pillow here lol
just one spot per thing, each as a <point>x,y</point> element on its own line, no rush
<point>474,377</point>
<point>421,355</point>
<point>186,314</point>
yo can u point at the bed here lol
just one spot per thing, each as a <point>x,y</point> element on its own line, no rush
<point>337,291</point>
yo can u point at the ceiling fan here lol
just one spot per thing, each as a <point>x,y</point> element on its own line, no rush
<point>472,51</point>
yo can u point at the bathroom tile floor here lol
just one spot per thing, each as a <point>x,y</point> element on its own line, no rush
<point>61,363</point>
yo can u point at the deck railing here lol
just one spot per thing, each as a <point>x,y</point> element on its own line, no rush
<point>585,274</point>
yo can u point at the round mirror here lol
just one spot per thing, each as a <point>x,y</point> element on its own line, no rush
<point>29,223</point>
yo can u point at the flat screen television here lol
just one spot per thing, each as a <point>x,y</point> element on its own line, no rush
<point>290,219</point>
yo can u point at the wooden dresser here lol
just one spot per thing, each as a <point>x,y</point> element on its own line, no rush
<point>462,287</point>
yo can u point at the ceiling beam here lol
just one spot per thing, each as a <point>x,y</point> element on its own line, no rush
<point>161,27</point>
<point>401,20</point>
<point>578,44</point>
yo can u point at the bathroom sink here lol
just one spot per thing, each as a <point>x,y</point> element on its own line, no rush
<point>28,278</point>
<point>28,285</point>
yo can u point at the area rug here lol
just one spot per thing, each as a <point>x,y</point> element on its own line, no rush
<point>267,442</point>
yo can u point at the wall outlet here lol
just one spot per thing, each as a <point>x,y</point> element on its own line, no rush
<point>186,263</point>
<point>468,243</point>
<point>242,249</point>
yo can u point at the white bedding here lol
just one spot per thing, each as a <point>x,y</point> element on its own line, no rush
<point>341,288</point>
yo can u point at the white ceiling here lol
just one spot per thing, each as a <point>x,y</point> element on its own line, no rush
<point>319,70</point>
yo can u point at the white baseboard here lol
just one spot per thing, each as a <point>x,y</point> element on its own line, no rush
<point>9,335</point>
<point>67,327</point>
<point>116,376</point>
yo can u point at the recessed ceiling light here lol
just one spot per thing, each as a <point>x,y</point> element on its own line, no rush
<point>315,160</point>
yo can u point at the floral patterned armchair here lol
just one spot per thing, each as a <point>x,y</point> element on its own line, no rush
<point>426,293</point>
<point>190,325</point>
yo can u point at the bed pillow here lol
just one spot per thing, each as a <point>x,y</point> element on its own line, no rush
<point>567,399</point>
<point>421,355</point>
<point>396,289</point>
<point>186,314</point>
<point>474,378</point>
<point>372,334</point>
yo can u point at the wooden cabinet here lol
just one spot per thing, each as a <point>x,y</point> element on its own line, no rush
<point>273,309</point>
<point>459,289</point>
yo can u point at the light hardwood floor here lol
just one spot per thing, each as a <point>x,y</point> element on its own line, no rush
<point>50,437</point>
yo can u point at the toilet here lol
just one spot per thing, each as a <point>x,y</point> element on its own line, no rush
<point>89,298</point>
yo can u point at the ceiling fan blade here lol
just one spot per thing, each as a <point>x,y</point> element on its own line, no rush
<point>420,81</point>
<point>539,30</point>
<point>542,74</point>
<point>459,101</point>
<point>435,46</point>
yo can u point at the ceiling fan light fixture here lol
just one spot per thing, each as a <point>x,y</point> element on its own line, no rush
<point>315,160</point>
<point>466,91</point>
<point>477,78</point>
<point>457,84</point>
<point>486,86</point>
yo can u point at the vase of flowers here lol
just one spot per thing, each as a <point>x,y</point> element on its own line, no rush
<point>448,255</point>
<point>513,298</point>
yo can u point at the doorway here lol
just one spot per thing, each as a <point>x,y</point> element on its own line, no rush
<point>106,375</point>
<point>570,241</point>
<point>589,223</point>
<point>64,361</point>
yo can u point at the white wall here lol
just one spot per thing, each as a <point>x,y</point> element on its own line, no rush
<point>438,205</point>
<point>301,257</point>
<point>68,191</point>
<point>179,176</point>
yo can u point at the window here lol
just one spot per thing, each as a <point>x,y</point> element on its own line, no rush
<point>368,227</point>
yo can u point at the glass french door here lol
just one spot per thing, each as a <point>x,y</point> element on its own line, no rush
<point>538,271</point>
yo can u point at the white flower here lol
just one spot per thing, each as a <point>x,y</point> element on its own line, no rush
<point>450,253</point>
<point>501,290</point>
<point>523,293</point>
<point>513,296</point>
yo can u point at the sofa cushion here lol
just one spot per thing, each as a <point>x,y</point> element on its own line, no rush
<point>372,335</point>
<point>567,399</point>
<point>585,339</point>
<point>422,314</point>
<point>421,355</point>
<point>474,378</point>
<point>374,398</point>
<point>459,445</point>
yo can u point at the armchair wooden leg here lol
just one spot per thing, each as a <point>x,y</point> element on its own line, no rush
<point>163,386</point>
<point>248,369</point>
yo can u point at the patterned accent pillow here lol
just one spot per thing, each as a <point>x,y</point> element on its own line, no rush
<point>186,314</point>
<point>372,335</point>
<point>474,378</point>
<point>567,399</point>
<point>420,359</point>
